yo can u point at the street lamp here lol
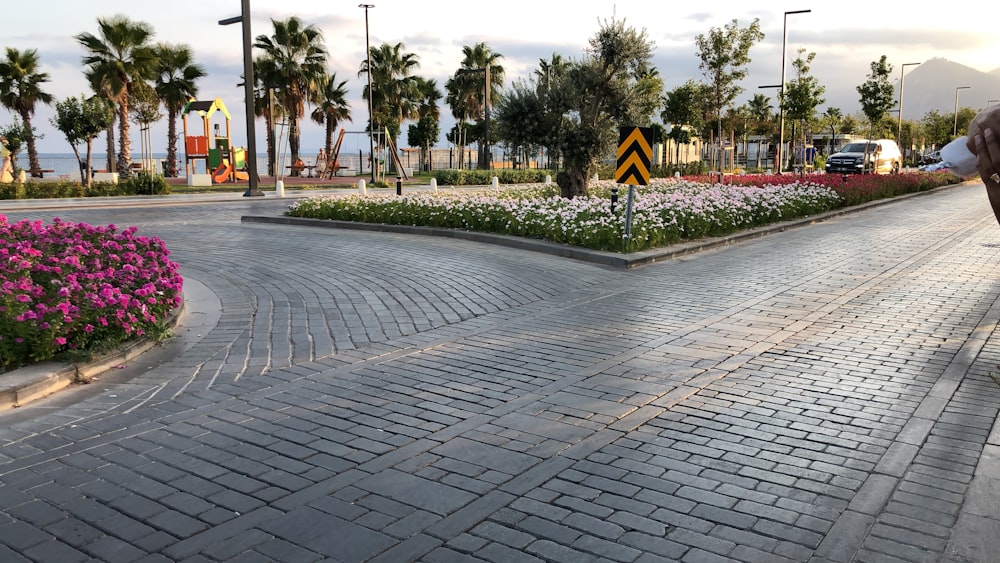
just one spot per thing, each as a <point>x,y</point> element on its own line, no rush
<point>954,132</point>
<point>486,165</point>
<point>371,125</point>
<point>781,94</point>
<point>248,84</point>
<point>899,126</point>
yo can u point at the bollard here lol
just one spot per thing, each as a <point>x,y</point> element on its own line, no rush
<point>361,187</point>
<point>495,182</point>
<point>548,179</point>
<point>597,178</point>
<point>434,184</point>
<point>279,188</point>
<point>677,174</point>
<point>399,185</point>
<point>614,198</point>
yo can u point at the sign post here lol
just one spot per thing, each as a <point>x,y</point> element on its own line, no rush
<point>635,154</point>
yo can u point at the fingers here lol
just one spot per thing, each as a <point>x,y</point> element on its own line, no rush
<point>988,153</point>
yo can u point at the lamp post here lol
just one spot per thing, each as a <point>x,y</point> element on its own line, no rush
<point>954,132</point>
<point>899,126</point>
<point>779,155</point>
<point>371,125</point>
<point>487,156</point>
<point>248,84</point>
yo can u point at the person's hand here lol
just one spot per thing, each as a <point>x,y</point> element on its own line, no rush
<point>987,149</point>
<point>987,118</point>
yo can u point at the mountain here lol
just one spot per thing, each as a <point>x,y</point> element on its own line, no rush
<point>932,86</point>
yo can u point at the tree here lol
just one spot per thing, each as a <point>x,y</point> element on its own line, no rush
<point>725,54</point>
<point>683,109</point>
<point>833,119</point>
<point>265,103</point>
<point>426,131</point>
<point>330,108</point>
<point>802,93</point>
<point>470,80</point>
<point>20,91</point>
<point>80,120</point>
<point>760,113</point>
<point>145,110</point>
<point>396,89</point>
<point>115,58</point>
<point>613,85</point>
<point>176,76</point>
<point>298,57</point>
<point>522,118</point>
<point>876,95</point>
<point>16,134</point>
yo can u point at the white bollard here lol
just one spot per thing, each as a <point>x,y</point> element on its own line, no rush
<point>677,174</point>
<point>279,188</point>
<point>361,187</point>
<point>434,184</point>
<point>548,179</point>
<point>597,178</point>
<point>495,182</point>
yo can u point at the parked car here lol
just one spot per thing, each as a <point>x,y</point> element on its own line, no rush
<point>866,157</point>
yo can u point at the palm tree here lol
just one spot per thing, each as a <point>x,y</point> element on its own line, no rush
<point>298,56</point>
<point>20,91</point>
<point>116,58</point>
<point>331,108</point>
<point>396,89</point>
<point>469,85</point>
<point>175,85</point>
<point>265,104</point>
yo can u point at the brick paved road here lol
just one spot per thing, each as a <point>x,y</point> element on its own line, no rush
<point>820,394</point>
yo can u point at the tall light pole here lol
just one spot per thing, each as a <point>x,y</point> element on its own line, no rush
<point>779,156</point>
<point>954,132</point>
<point>248,84</point>
<point>899,125</point>
<point>371,125</point>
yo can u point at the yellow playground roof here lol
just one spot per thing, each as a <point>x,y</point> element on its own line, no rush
<point>206,108</point>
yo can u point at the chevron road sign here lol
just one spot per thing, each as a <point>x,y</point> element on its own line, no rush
<point>635,154</point>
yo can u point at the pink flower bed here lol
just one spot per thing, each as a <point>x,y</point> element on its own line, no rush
<point>72,286</point>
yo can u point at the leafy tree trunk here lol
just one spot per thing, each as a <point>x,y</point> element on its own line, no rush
<point>29,141</point>
<point>124,142</point>
<point>90,162</point>
<point>293,140</point>
<point>110,160</point>
<point>573,181</point>
<point>171,142</point>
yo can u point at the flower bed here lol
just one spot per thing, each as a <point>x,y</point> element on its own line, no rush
<point>665,212</point>
<point>71,287</point>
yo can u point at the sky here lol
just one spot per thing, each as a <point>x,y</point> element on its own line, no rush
<point>846,37</point>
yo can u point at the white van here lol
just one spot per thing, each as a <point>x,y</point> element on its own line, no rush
<point>866,157</point>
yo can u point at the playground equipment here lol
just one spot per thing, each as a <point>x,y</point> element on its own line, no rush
<point>221,162</point>
<point>332,165</point>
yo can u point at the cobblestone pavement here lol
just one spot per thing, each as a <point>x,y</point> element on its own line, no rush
<point>819,394</point>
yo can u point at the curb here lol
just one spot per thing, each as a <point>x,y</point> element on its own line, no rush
<point>614,259</point>
<point>40,380</point>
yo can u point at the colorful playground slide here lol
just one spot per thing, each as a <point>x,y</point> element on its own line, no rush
<point>222,173</point>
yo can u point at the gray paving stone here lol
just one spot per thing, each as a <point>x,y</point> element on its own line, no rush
<point>777,400</point>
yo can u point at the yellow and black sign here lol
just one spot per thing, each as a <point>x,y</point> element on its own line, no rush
<point>635,154</point>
